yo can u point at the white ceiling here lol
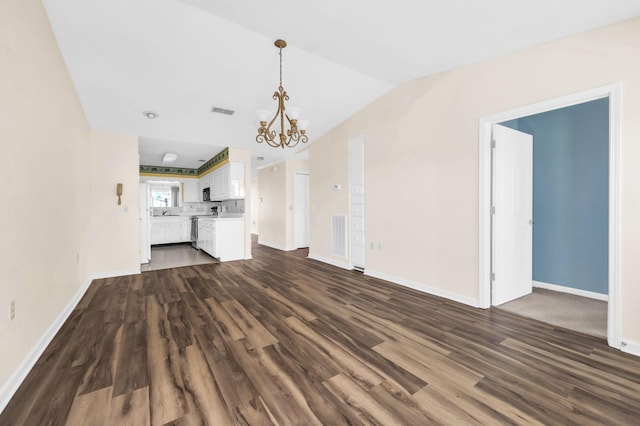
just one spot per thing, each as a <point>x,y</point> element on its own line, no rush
<point>181,57</point>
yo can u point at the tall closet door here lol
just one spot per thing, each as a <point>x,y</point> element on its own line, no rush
<point>356,201</point>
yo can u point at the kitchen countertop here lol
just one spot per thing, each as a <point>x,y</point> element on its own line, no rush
<point>177,217</point>
<point>219,218</point>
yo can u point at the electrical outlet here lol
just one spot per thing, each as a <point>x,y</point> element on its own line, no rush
<point>12,310</point>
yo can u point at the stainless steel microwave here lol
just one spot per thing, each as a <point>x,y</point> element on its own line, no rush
<point>206,194</point>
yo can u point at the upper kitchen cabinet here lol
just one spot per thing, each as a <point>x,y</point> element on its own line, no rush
<point>191,191</point>
<point>228,182</point>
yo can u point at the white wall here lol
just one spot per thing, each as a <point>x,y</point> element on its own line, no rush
<point>45,206</point>
<point>115,236</point>
<point>276,202</point>
<point>59,217</point>
<point>241,155</point>
<point>272,213</point>
<point>421,160</point>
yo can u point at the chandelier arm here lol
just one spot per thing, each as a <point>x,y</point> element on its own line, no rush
<point>276,96</point>
<point>267,137</point>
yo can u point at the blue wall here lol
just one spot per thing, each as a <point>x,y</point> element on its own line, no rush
<point>570,195</point>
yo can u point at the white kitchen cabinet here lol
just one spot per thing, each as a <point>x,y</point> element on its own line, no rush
<point>192,193</point>
<point>224,183</point>
<point>172,229</point>
<point>222,238</point>
<point>227,182</point>
<point>185,229</point>
<point>156,234</point>
<point>215,184</point>
<point>206,238</point>
<point>229,239</point>
<point>203,182</point>
<point>172,232</point>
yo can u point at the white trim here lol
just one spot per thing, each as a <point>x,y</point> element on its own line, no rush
<point>14,381</point>
<point>330,261</point>
<point>306,173</point>
<point>613,92</point>
<point>276,246</point>
<point>613,317</point>
<point>423,288</point>
<point>570,290</point>
<point>632,348</point>
<point>117,273</point>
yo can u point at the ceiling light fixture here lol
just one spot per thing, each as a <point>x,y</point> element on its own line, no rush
<point>150,114</point>
<point>169,157</point>
<point>297,129</point>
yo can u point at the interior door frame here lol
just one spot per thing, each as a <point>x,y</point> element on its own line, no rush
<point>296,206</point>
<point>611,91</point>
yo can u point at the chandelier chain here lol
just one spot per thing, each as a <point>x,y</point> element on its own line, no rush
<point>281,67</point>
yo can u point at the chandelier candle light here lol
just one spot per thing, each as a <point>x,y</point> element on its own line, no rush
<point>297,128</point>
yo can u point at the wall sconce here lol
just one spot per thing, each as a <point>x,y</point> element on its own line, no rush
<point>119,193</point>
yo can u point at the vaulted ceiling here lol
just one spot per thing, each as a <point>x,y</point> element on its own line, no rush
<point>180,58</point>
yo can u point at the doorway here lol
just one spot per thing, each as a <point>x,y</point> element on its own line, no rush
<point>610,92</point>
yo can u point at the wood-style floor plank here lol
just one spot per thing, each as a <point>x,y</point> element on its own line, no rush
<point>285,340</point>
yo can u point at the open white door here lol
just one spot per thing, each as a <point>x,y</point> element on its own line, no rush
<point>301,209</point>
<point>512,214</point>
<point>145,212</point>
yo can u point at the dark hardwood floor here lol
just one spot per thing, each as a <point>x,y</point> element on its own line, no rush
<point>286,340</point>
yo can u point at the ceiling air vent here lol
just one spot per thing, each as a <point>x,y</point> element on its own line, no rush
<point>222,111</point>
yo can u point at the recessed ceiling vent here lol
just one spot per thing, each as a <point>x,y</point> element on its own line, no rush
<point>222,111</point>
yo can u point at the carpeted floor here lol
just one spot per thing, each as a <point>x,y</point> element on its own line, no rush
<point>577,313</point>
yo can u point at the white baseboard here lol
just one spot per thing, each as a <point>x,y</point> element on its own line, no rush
<point>424,288</point>
<point>276,246</point>
<point>569,290</point>
<point>118,273</point>
<point>332,262</point>
<point>632,348</point>
<point>14,381</point>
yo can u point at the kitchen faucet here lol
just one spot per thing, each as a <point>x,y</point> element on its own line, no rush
<point>164,212</point>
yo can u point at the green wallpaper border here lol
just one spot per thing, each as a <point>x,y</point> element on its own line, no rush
<point>220,157</point>
<point>159,170</point>
<point>214,161</point>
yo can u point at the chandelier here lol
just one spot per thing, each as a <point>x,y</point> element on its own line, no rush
<point>296,131</point>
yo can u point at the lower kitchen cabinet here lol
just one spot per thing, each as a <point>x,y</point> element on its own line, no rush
<point>222,238</point>
<point>206,232</point>
<point>172,229</point>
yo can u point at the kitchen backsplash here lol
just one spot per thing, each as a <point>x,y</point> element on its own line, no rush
<point>229,207</point>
